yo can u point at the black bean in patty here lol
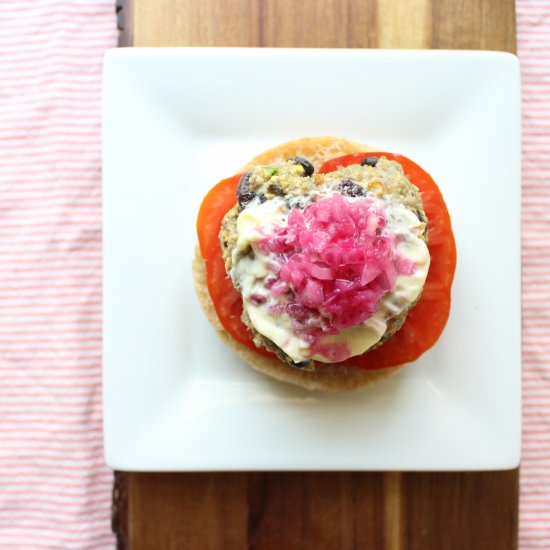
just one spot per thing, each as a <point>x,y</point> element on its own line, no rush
<point>244,194</point>
<point>307,166</point>
<point>369,161</point>
<point>301,364</point>
<point>351,189</point>
<point>275,188</point>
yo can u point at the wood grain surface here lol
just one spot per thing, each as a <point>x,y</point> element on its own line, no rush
<point>451,24</point>
<point>299,510</point>
<point>340,510</point>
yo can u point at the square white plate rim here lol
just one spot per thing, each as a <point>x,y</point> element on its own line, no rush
<point>177,431</point>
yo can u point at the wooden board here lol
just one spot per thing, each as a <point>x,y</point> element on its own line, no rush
<point>451,24</point>
<point>340,510</point>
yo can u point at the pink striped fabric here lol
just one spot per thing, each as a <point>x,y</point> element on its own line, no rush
<point>55,489</point>
<point>54,486</point>
<point>533,32</point>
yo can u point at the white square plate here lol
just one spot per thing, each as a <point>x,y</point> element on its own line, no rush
<point>178,120</point>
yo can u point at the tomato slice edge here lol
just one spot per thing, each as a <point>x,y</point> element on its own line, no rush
<point>227,301</point>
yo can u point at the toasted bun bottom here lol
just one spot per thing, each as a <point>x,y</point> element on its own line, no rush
<point>326,377</point>
<point>316,149</point>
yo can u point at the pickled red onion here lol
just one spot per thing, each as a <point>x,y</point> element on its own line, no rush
<point>338,259</point>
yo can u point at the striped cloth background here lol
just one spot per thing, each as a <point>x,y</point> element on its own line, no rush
<point>533,32</point>
<point>54,487</point>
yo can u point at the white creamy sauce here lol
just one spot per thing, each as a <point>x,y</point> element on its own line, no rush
<point>251,272</point>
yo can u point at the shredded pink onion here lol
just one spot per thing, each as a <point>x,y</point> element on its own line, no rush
<point>337,259</point>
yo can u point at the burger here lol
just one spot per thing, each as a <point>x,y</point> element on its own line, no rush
<point>326,263</point>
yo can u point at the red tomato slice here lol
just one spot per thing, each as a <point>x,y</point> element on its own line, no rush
<point>424,323</point>
<point>227,301</point>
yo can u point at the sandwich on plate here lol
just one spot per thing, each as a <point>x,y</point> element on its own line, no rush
<point>326,263</point>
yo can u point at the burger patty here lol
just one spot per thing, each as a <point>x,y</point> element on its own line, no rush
<point>295,181</point>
